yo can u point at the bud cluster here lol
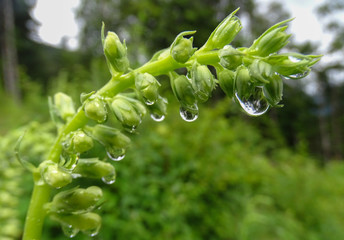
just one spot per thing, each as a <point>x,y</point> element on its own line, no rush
<point>253,76</point>
<point>73,209</point>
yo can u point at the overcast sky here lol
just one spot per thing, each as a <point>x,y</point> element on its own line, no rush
<point>57,20</point>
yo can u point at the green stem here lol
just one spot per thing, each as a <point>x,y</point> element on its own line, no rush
<point>41,192</point>
<point>36,213</point>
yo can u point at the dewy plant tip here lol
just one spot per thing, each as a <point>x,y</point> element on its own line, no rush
<point>251,76</point>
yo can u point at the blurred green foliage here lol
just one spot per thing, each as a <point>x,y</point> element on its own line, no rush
<point>215,178</point>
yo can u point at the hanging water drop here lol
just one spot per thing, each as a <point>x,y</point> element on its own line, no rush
<point>69,231</point>
<point>68,161</point>
<point>294,59</point>
<point>109,179</point>
<point>157,117</point>
<point>148,102</point>
<point>297,75</point>
<point>130,129</point>
<point>115,154</point>
<point>254,105</point>
<point>189,113</point>
<point>92,232</point>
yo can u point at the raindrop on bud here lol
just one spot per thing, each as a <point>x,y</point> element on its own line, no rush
<point>157,117</point>
<point>115,154</point>
<point>254,105</point>
<point>189,113</point>
<point>109,179</point>
<point>69,231</point>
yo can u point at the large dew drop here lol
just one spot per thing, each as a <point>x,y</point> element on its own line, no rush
<point>189,113</point>
<point>157,117</point>
<point>255,105</point>
<point>115,154</point>
<point>69,231</point>
<point>109,179</point>
<point>297,75</point>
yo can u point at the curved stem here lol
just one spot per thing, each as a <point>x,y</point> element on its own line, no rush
<point>41,192</point>
<point>36,214</point>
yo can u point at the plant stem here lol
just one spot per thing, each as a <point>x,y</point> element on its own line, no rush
<point>36,213</point>
<point>41,192</point>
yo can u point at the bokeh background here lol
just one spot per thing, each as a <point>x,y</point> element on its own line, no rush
<point>225,176</point>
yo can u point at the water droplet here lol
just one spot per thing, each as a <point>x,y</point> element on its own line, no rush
<point>129,129</point>
<point>68,161</point>
<point>109,179</point>
<point>157,117</point>
<point>294,59</point>
<point>115,154</point>
<point>255,104</point>
<point>92,232</point>
<point>189,113</point>
<point>69,231</point>
<point>297,75</point>
<point>148,102</point>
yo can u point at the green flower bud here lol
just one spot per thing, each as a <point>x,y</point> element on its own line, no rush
<point>108,137</point>
<point>89,222</point>
<point>76,200</point>
<point>77,142</point>
<point>271,41</point>
<point>273,91</point>
<point>93,168</point>
<point>292,65</point>
<point>227,81</point>
<point>182,89</point>
<point>148,86</point>
<point>95,109</point>
<point>53,175</point>
<point>243,84</point>
<point>81,142</point>
<point>159,109</point>
<point>230,57</point>
<point>203,82</point>
<point>128,111</point>
<point>224,33</point>
<point>116,53</point>
<point>261,71</point>
<point>181,48</point>
<point>64,105</point>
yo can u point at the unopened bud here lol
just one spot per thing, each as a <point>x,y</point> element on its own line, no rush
<point>260,71</point>
<point>243,84</point>
<point>116,52</point>
<point>292,65</point>
<point>95,109</point>
<point>53,175</point>
<point>203,82</point>
<point>230,57</point>
<point>159,108</point>
<point>271,41</point>
<point>93,168</point>
<point>227,81</point>
<point>64,105</point>
<point>128,111</point>
<point>273,91</point>
<point>108,136</point>
<point>224,33</point>
<point>182,89</point>
<point>148,86</point>
<point>87,222</point>
<point>81,142</point>
<point>76,200</point>
<point>181,48</point>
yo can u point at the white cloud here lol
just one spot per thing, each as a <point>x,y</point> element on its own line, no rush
<point>57,21</point>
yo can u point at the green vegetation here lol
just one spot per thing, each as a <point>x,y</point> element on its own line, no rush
<point>224,176</point>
